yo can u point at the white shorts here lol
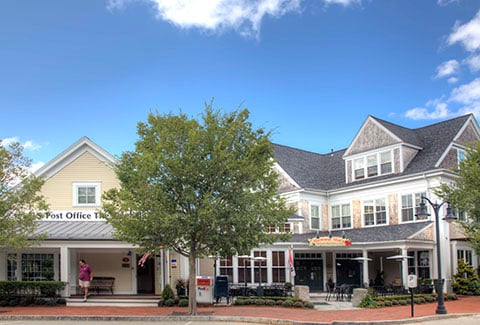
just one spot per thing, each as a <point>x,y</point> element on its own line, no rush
<point>84,284</point>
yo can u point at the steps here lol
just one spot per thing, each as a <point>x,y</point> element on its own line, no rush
<point>113,301</point>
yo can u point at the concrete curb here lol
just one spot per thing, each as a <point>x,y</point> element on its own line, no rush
<point>226,319</point>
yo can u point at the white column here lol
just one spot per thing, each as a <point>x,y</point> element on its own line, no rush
<point>365,267</point>
<point>404,262</point>
<point>65,270</point>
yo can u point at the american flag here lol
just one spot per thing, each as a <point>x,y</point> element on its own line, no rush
<point>290,261</point>
<point>143,259</point>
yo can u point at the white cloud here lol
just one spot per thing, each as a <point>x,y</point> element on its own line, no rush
<point>468,94</point>
<point>343,2</point>
<point>440,110</point>
<point>466,99</point>
<point>473,62</point>
<point>452,80</point>
<point>27,145</point>
<point>218,15</point>
<point>445,2</point>
<point>467,34</point>
<point>447,68</point>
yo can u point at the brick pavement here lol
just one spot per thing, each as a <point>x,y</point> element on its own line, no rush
<point>464,305</point>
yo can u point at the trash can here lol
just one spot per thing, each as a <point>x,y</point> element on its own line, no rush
<point>204,289</point>
<point>222,288</point>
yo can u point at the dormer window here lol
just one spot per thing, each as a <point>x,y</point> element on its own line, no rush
<point>386,162</point>
<point>372,165</point>
<point>359,170</point>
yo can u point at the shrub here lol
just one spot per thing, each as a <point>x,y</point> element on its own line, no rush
<point>183,303</point>
<point>388,303</point>
<point>279,302</point>
<point>260,302</point>
<point>287,303</point>
<point>402,302</point>
<point>269,302</point>
<point>308,304</point>
<point>395,302</point>
<point>298,304</point>
<point>240,302</point>
<point>167,293</point>
<point>368,302</point>
<point>451,296</point>
<point>169,302</point>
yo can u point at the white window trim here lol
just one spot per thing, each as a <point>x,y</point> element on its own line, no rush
<point>76,185</point>
<point>400,208</point>
<point>387,221</point>
<point>379,164</point>
<point>319,216</point>
<point>331,216</point>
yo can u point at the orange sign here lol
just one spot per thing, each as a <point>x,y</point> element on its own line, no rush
<point>329,241</point>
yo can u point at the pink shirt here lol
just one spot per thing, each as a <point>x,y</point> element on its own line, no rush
<point>85,271</point>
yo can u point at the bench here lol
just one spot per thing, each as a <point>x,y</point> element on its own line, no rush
<point>102,283</point>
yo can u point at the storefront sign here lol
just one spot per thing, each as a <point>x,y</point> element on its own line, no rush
<point>329,241</point>
<point>72,215</point>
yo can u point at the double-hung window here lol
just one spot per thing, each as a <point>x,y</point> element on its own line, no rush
<point>315,217</point>
<point>410,204</point>
<point>372,165</point>
<point>359,170</point>
<point>86,194</point>
<point>386,162</point>
<point>341,216</point>
<point>374,212</point>
<point>278,266</point>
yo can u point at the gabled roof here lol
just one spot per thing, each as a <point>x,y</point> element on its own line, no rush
<point>390,233</point>
<point>83,145</point>
<point>311,170</point>
<point>327,171</point>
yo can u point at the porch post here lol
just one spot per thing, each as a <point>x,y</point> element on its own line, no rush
<point>404,268</point>
<point>65,270</point>
<point>365,279</point>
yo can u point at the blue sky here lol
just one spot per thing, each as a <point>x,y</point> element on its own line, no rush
<point>311,71</point>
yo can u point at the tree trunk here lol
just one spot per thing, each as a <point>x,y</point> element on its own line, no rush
<point>192,284</point>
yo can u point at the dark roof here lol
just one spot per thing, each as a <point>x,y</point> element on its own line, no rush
<point>75,230</point>
<point>327,171</point>
<point>399,232</point>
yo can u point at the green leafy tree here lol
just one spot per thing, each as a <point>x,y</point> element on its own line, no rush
<point>198,187</point>
<point>464,195</point>
<point>21,203</point>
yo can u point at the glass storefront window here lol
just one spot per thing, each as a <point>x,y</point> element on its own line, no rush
<point>36,267</point>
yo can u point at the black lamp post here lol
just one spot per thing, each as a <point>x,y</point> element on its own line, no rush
<point>422,212</point>
<point>260,259</point>
<point>245,257</point>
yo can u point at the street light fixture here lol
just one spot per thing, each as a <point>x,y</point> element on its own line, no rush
<point>423,212</point>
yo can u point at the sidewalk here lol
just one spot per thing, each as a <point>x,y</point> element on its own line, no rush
<point>321,315</point>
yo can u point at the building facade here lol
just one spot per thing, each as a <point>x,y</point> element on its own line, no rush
<point>355,220</point>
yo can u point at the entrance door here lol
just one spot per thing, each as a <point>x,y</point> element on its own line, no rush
<point>309,273</point>
<point>348,272</point>
<point>146,276</point>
